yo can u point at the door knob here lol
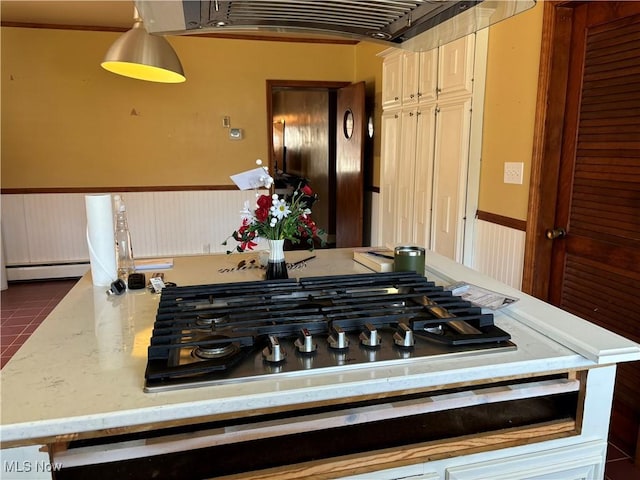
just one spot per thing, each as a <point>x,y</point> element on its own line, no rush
<point>555,233</point>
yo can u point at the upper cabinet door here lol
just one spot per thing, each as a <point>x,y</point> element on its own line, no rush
<point>455,72</point>
<point>410,78</point>
<point>392,80</point>
<point>427,88</point>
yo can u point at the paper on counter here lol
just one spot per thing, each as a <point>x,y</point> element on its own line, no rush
<point>154,263</point>
<point>250,179</point>
<point>480,297</point>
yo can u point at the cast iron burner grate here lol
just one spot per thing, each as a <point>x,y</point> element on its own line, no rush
<point>234,332</point>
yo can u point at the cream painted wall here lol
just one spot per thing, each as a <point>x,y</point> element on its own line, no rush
<point>66,122</point>
<point>509,111</point>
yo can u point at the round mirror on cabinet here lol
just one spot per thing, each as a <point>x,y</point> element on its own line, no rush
<point>347,124</point>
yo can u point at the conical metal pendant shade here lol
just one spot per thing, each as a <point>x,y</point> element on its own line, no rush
<point>137,54</point>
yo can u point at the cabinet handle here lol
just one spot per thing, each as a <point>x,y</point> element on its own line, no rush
<point>397,98</point>
<point>411,96</point>
<point>419,94</point>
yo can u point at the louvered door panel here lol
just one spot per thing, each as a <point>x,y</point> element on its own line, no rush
<point>596,270</point>
<point>606,197</point>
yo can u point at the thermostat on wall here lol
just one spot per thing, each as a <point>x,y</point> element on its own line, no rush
<point>235,134</point>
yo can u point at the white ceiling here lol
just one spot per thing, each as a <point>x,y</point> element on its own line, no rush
<point>109,14</point>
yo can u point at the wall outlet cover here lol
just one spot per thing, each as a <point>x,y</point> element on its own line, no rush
<point>513,172</point>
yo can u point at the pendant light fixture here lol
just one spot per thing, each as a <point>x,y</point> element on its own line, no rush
<point>137,54</point>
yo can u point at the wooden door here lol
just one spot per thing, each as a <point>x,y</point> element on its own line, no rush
<point>595,266</point>
<point>351,122</point>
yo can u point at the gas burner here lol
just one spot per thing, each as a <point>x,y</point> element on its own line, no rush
<point>220,349</point>
<point>209,319</point>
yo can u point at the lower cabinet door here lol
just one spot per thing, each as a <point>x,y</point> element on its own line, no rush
<point>412,472</point>
<point>576,462</point>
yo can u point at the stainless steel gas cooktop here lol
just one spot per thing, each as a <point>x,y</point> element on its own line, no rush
<point>239,332</point>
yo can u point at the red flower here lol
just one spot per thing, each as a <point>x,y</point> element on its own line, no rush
<point>248,245</point>
<point>244,227</point>
<point>307,226</point>
<point>307,190</point>
<point>262,212</point>
<point>264,201</point>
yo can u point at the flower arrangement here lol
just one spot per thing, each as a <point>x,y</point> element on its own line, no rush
<point>277,218</point>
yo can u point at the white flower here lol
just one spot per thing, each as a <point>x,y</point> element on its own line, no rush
<point>247,212</point>
<point>280,209</point>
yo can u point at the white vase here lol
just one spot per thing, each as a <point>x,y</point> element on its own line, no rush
<point>276,265</point>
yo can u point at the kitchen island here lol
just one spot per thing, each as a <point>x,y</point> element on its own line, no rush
<point>80,377</point>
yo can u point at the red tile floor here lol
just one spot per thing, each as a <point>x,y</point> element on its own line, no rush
<point>23,306</point>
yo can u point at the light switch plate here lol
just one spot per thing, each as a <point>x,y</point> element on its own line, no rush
<point>513,172</point>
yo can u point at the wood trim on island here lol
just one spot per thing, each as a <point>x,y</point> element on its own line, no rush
<point>514,223</point>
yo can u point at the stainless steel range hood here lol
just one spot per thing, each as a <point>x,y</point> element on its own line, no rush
<point>410,24</point>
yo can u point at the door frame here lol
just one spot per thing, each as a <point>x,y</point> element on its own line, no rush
<point>271,85</point>
<point>547,144</point>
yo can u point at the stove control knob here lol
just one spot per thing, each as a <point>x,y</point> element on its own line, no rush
<point>403,336</point>
<point>273,352</point>
<point>338,339</point>
<point>370,337</point>
<point>304,343</point>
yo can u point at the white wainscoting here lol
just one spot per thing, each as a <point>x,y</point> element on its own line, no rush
<point>44,235</point>
<point>499,252</point>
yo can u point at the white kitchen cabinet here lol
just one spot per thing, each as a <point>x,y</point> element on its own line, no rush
<point>428,80</point>
<point>390,144</point>
<point>392,79</point>
<point>423,188</point>
<point>429,179</point>
<point>410,78</point>
<point>577,462</point>
<point>455,67</point>
<point>415,175</point>
<point>406,175</point>
<point>452,130</point>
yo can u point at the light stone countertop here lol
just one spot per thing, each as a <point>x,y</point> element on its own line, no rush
<point>83,369</point>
